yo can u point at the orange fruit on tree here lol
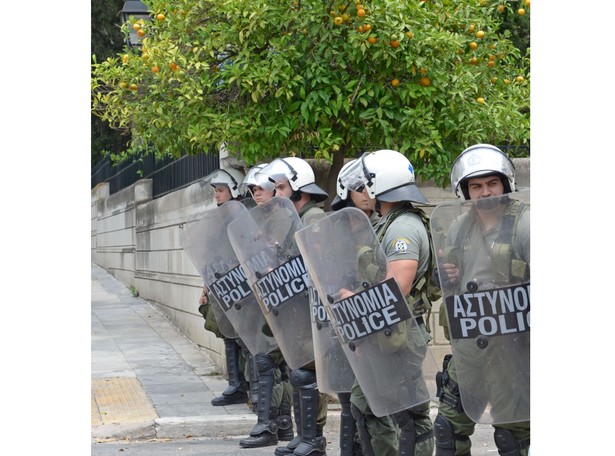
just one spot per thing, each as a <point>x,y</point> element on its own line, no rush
<point>521,11</point>
<point>480,34</point>
<point>395,82</point>
<point>527,3</point>
<point>394,43</point>
<point>409,35</point>
<point>425,81</point>
<point>481,100</point>
<point>473,60</point>
<point>140,33</point>
<point>155,69</point>
<point>160,17</point>
<point>346,17</point>
<point>490,63</point>
<point>173,66</point>
<point>494,80</point>
<point>361,29</point>
<point>360,12</point>
<point>506,81</point>
<point>123,85</point>
<point>471,28</point>
<point>337,20</point>
<point>368,27</point>
<point>133,86</point>
<point>136,26</point>
<point>500,8</point>
<point>372,40</point>
<point>519,79</point>
<point>473,45</point>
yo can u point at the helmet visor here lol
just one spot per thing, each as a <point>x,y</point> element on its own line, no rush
<point>356,177</point>
<point>275,172</point>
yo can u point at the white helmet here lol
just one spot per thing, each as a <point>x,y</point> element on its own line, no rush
<point>227,176</point>
<point>387,174</point>
<point>481,160</point>
<point>249,180</point>
<point>297,171</point>
<point>341,197</point>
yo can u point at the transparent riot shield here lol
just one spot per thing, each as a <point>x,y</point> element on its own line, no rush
<point>333,371</point>
<point>484,261</point>
<point>381,339</point>
<point>235,307</point>
<point>263,241</point>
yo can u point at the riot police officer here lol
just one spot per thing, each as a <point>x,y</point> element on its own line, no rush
<point>293,178</point>
<point>388,177</point>
<point>489,243</point>
<point>226,184</point>
<point>273,398</point>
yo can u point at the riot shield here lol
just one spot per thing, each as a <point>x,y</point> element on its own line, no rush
<point>262,238</point>
<point>382,341</point>
<point>235,307</point>
<point>333,371</point>
<point>483,261</point>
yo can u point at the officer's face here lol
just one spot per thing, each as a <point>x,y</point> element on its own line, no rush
<point>283,188</point>
<point>362,201</point>
<point>260,194</point>
<point>483,187</point>
<point>222,194</point>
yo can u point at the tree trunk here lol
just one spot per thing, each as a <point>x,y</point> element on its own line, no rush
<point>336,165</point>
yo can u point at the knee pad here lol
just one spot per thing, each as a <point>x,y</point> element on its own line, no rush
<point>264,363</point>
<point>445,436</point>
<point>507,443</point>
<point>303,378</point>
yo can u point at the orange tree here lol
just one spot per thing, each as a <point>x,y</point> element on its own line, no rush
<point>319,78</point>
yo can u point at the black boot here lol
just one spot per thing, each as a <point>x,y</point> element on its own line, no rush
<point>312,442</point>
<point>253,381</point>
<point>285,423</point>
<point>236,392</point>
<point>265,432</point>
<point>348,428</point>
<point>290,448</point>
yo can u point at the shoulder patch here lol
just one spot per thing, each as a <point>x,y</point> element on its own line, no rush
<point>401,244</point>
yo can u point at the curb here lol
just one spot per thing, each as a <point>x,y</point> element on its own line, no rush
<point>217,426</point>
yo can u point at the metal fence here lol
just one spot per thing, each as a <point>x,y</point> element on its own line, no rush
<point>167,175</point>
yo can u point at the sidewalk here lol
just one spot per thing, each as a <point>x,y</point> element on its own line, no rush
<point>149,381</point>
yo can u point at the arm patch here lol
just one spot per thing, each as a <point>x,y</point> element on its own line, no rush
<point>400,244</point>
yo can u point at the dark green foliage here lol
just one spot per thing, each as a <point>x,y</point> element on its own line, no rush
<point>106,41</point>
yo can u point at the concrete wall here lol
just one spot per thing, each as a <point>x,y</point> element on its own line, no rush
<point>138,240</point>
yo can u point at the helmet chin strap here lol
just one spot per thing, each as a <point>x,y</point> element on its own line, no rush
<point>377,208</point>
